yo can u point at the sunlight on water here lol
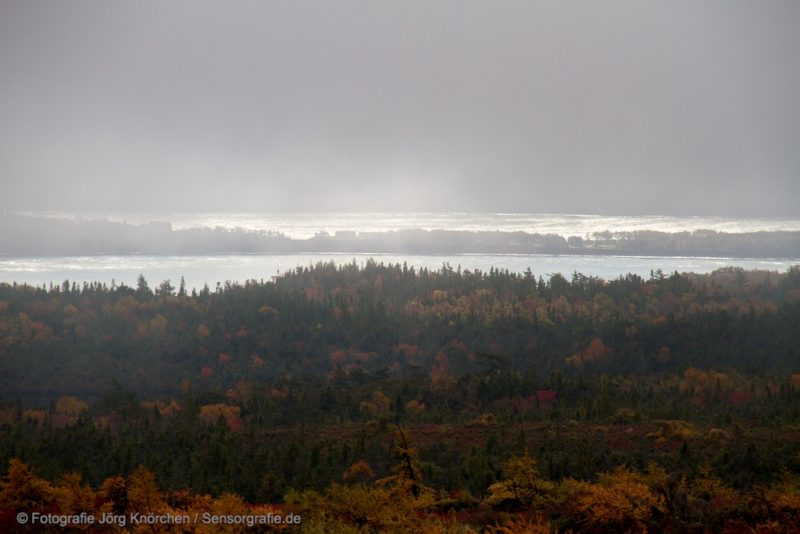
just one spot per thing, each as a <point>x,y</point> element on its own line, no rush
<point>200,270</point>
<point>305,225</point>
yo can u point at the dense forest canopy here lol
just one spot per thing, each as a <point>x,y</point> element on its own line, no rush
<point>332,387</point>
<point>325,321</point>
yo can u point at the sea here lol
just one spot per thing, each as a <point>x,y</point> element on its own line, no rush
<point>199,271</point>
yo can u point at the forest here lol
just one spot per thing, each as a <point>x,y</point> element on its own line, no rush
<point>380,398</point>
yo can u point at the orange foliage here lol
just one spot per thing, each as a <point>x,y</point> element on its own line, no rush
<point>439,295</point>
<point>794,381</point>
<point>157,325</point>
<point>114,495</point>
<point>8,414</point>
<point>621,502</point>
<point>256,361</point>
<point>440,375</point>
<point>211,413</point>
<point>595,352</point>
<point>164,409</point>
<point>705,384</point>
<point>23,491</point>
<point>38,416</point>
<point>242,391</point>
<point>360,471</point>
<point>72,496</point>
<point>144,495</point>
<point>68,409</point>
<point>338,357</point>
<point>378,405</point>
<point>415,407</point>
<point>268,310</point>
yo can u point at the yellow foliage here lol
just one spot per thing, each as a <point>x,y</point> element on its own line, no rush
<point>439,295</point>
<point>441,380</point>
<point>794,380</point>
<point>23,491</point>
<point>673,429</point>
<point>158,325</point>
<point>164,409</point>
<point>72,496</point>
<point>381,401</point>
<point>268,310</point>
<point>656,478</point>
<point>227,504</point>
<point>484,419</point>
<point>522,486</point>
<point>202,332</point>
<point>242,391</point>
<point>70,406</point>
<point>114,493</point>
<point>621,501</point>
<point>716,435</point>
<point>415,407</point>
<point>708,497</point>
<point>369,509</point>
<point>38,416</point>
<point>144,495</point>
<point>705,383</point>
<point>537,525</point>
<point>211,413</point>
<point>596,351</point>
<point>8,415</point>
<point>125,307</point>
<point>360,470</point>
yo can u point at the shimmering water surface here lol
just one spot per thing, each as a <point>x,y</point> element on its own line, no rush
<point>200,270</point>
<point>305,225</point>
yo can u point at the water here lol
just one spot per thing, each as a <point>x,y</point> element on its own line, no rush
<point>305,225</point>
<point>200,270</point>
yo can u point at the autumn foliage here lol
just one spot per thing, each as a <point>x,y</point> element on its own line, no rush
<point>387,399</point>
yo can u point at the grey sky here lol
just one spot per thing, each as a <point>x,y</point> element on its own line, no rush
<point>679,107</point>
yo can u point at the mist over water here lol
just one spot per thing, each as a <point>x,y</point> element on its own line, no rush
<point>199,270</point>
<point>305,225</point>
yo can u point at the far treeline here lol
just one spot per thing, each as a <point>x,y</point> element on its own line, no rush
<point>384,398</point>
<point>25,235</point>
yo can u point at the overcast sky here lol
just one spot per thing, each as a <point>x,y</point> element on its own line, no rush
<point>613,107</point>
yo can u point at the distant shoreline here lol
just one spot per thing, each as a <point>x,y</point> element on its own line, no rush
<point>25,235</point>
<point>304,225</point>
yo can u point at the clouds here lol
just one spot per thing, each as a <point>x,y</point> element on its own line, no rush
<point>618,107</point>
